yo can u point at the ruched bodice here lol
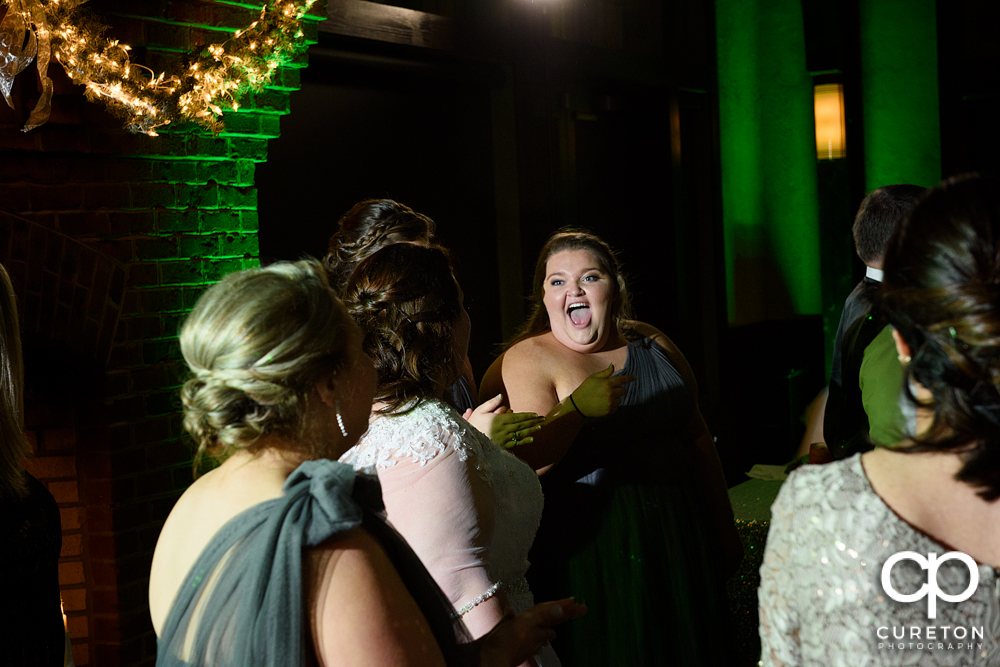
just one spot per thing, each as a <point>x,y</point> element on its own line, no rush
<point>626,528</point>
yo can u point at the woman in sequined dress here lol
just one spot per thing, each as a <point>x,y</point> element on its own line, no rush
<point>835,527</point>
<point>467,507</point>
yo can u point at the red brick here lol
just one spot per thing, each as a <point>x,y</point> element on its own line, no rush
<point>63,438</point>
<point>78,626</point>
<point>110,196</point>
<point>72,545</point>
<point>71,573</point>
<point>74,599</point>
<point>71,517</point>
<point>105,626</point>
<point>48,467</point>
<point>119,250</point>
<point>104,573</point>
<point>55,197</point>
<point>101,547</point>
<point>124,224</point>
<point>14,197</point>
<point>65,492</point>
<point>81,654</point>
<point>92,443</point>
<point>105,601</point>
<point>99,517</point>
<point>96,492</point>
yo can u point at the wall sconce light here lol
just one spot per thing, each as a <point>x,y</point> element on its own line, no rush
<point>828,103</point>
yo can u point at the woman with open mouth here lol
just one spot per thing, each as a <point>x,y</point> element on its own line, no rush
<point>636,521</point>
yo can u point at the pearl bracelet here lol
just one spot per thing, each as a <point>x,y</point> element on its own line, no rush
<point>478,600</point>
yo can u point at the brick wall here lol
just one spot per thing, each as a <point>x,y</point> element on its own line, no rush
<point>112,239</point>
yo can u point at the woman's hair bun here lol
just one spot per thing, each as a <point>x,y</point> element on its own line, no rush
<point>256,344</point>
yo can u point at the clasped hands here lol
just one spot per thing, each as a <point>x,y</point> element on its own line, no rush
<point>505,427</point>
<point>597,396</point>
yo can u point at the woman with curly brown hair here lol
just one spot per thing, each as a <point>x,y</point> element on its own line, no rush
<point>849,539</point>
<point>373,224</point>
<point>280,555</point>
<point>468,508</point>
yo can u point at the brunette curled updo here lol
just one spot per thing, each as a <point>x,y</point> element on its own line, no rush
<point>256,344</point>
<point>368,227</point>
<point>406,301</point>
<point>942,293</point>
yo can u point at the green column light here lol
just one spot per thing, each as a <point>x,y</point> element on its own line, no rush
<point>900,92</point>
<point>768,147</point>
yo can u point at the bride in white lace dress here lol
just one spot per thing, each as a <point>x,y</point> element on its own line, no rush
<point>467,507</point>
<point>830,591</point>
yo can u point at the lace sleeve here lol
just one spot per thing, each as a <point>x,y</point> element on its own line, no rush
<point>437,497</point>
<point>779,618</point>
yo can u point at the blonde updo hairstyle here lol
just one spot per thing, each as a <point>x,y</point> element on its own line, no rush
<point>257,342</point>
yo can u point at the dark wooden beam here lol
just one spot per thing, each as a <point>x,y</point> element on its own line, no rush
<point>384,23</point>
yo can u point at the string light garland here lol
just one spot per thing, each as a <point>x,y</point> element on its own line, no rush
<point>213,80</point>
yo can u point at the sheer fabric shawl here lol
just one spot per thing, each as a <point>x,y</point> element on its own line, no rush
<point>243,602</point>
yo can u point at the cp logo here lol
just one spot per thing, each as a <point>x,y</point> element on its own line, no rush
<point>930,589</point>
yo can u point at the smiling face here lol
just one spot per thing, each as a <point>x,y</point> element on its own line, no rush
<point>577,294</point>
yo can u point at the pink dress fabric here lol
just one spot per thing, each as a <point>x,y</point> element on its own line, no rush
<point>468,508</point>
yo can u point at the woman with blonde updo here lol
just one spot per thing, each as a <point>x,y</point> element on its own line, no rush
<point>280,555</point>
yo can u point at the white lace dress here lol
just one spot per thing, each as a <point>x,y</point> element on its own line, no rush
<point>468,508</point>
<point>821,596</point>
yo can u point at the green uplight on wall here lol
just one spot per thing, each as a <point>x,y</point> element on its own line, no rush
<point>769,194</point>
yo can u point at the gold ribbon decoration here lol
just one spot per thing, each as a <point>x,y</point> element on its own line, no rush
<point>216,76</point>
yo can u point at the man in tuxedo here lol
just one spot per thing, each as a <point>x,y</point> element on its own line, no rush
<point>866,376</point>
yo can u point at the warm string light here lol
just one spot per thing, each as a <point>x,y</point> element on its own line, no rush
<point>213,81</point>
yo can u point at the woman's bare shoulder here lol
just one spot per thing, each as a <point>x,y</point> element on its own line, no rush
<point>534,357</point>
<point>534,349</point>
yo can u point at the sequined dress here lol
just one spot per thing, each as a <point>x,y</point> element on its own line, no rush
<point>821,595</point>
<point>626,528</point>
<point>467,507</point>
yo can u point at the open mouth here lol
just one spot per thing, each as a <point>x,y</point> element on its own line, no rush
<point>579,314</point>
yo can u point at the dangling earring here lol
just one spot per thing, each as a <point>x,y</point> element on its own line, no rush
<point>904,359</point>
<point>340,420</point>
